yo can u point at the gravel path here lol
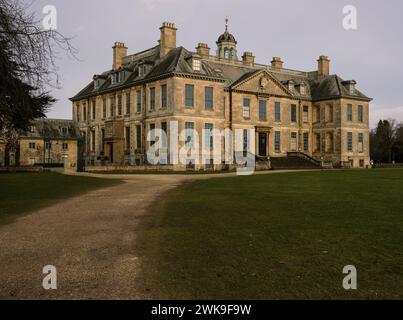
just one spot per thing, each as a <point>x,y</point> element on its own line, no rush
<point>90,239</point>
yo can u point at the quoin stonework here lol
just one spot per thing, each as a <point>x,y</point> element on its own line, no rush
<point>282,113</point>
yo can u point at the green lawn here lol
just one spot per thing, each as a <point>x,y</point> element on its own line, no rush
<point>25,192</point>
<point>276,236</point>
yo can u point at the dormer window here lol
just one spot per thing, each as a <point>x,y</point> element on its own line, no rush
<point>113,78</point>
<point>350,86</point>
<point>142,70</point>
<point>302,89</point>
<point>96,84</point>
<point>291,85</point>
<point>196,64</point>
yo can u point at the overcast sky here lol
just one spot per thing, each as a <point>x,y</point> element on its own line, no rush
<point>296,30</point>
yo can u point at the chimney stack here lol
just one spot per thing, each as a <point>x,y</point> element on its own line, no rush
<point>119,52</point>
<point>248,59</point>
<point>168,38</point>
<point>323,66</point>
<point>277,63</point>
<point>203,50</point>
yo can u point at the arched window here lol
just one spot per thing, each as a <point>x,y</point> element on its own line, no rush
<point>226,53</point>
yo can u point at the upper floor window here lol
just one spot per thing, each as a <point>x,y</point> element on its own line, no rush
<point>164,96</point>
<point>32,145</point>
<point>85,111</point>
<point>262,110</point>
<point>349,112</point>
<point>196,64</point>
<point>293,113</point>
<point>246,108</point>
<point>94,108</point>
<point>152,99</point>
<point>330,114</point>
<point>119,105</point>
<point>104,107</point>
<point>360,114</point>
<point>277,111</point>
<point>189,95</point>
<point>112,106</point>
<point>128,103</point>
<point>65,146</point>
<point>208,97</point>
<point>138,100</point>
<point>305,114</point>
<point>78,112</point>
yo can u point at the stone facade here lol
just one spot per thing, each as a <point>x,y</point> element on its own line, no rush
<point>48,141</point>
<point>314,113</point>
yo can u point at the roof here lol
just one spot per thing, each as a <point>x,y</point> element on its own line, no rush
<point>226,37</point>
<point>178,62</point>
<point>56,129</point>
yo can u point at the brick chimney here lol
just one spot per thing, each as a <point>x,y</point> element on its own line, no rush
<point>248,59</point>
<point>119,52</point>
<point>168,38</point>
<point>323,66</point>
<point>277,63</point>
<point>203,50</point>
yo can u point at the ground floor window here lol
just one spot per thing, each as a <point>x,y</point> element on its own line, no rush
<point>306,141</point>
<point>138,136</point>
<point>209,139</point>
<point>360,142</point>
<point>127,137</point>
<point>362,163</point>
<point>245,140</point>
<point>349,141</point>
<point>277,141</point>
<point>189,129</point>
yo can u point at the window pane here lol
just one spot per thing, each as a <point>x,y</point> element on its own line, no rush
<point>277,141</point>
<point>189,98</point>
<point>277,111</point>
<point>349,112</point>
<point>128,103</point>
<point>152,99</point>
<point>138,101</point>
<point>293,113</point>
<point>262,110</point>
<point>246,108</point>
<point>164,96</point>
<point>208,97</point>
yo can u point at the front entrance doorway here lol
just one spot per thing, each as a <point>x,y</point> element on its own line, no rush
<point>262,144</point>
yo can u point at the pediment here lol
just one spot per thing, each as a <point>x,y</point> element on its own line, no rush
<point>262,82</point>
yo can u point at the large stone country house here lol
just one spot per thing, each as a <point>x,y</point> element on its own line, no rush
<point>313,113</point>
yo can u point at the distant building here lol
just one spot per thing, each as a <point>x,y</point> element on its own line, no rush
<point>314,113</point>
<point>48,141</point>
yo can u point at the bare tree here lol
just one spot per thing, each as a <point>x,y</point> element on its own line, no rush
<point>32,49</point>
